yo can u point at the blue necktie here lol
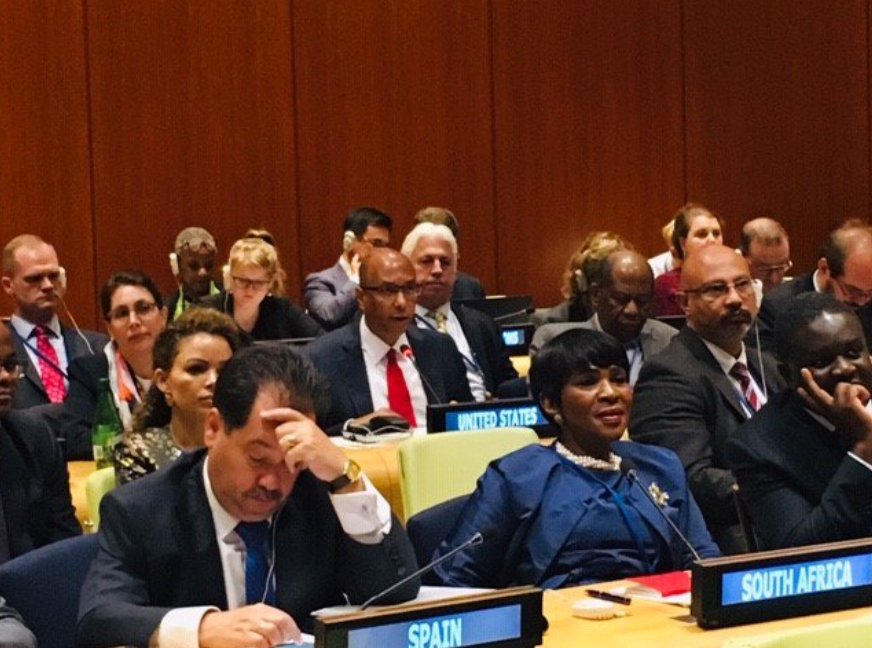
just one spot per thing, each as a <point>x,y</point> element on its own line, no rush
<point>257,589</point>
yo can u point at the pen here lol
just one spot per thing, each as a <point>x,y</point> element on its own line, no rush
<point>608,596</point>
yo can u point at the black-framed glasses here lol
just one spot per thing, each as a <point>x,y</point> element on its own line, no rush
<point>775,268</point>
<point>620,299</point>
<point>854,293</point>
<point>391,290</point>
<point>715,291</point>
<point>375,242</point>
<point>11,365</point>
<point>142,309</point>
<point>247,284</point>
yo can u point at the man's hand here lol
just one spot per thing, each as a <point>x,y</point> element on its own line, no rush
<point>305,444</point>
<point>845,408</point>
<point>254,626</point>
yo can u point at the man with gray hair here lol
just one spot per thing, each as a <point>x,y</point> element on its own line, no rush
<point>432,249</point>
<point>193,262</point>
<point>766,246</point>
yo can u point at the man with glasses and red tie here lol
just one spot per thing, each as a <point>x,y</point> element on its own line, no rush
<point>378,364</point>
<point>693,395</point>
<point>844,269</point>
<point>33,278</point>
<point>35,504</point>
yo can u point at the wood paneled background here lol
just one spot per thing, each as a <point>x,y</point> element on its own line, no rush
<point>536,121</point>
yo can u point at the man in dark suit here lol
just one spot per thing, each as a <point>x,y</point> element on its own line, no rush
<point>331,297</point>
<point>466,287</point>
<point>692,396</point>
<point>378,364</point>
<point>35,280</point>
<point>432,249</point>
<point>844,270</point>
<point>240,542</point>
<point>621,292</point>
<point>35,504</point>
<point>804,463</point>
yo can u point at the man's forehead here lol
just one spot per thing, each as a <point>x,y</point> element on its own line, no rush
<point>39,253</point>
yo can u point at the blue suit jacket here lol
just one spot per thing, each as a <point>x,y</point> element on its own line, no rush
<point>339,357</point>
<point>529,504</point>
<point>158,551</point>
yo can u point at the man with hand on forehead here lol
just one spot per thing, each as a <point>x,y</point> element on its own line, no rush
<point>237,544</point>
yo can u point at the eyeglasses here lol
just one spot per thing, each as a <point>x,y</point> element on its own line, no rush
<point>854,293</point>
<point>777,268</point>
<point>620,299</point>
<point>248,284</point>
<point>11,365</point>
<point>142,309</point>
<point>391,290</point>
<point>715,291</point>
<point>375,242</point>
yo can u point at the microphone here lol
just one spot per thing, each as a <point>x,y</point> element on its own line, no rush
<point>406,350</point>
<point>628,467</point>
<point>507,316</point>
<point>476,539</point>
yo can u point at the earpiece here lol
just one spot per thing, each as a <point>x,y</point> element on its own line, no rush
<point>174,263</point>
<point>62,281</point>
<point>758,291</point>
<point>348,239</point>
<point>581,281</point>
<point>227,277</point>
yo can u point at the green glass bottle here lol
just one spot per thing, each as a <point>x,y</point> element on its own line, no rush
<point>106,432</point>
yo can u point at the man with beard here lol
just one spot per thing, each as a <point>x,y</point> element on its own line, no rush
<point>236,545</point>
<point>622,290</point>
<point>432,249</point>
<point>692,396</point>
<point>804,463</point>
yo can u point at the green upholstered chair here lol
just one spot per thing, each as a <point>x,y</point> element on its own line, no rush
<point>437,467</point>
<point>853,633</point>
<point>99,483</point>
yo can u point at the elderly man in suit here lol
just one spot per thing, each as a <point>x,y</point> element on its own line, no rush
<point>35,504</point>
<point>45,346</point>
<point>379,364</point>
<point>694,394</point>
<point>432,249</point>
<point>804,463</point>
<point>331,294</point>
<point>621,292</point>
<point>844,270</point>
<point>237,544</point>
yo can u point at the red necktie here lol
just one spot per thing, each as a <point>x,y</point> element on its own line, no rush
<point>740,373</point>
<point>49,367</point>
<point>399,399</point>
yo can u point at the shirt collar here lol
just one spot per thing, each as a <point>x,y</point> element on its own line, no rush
<point>225,523</point>
<point>345,265</point>
<point>374,344</point>
<point>423,311</point>
<point>724,359</point>
<point>25,328</point>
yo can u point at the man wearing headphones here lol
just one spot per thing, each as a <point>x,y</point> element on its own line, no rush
<point>330,294</point>
<point>193,263</point>
<point>45,346</point>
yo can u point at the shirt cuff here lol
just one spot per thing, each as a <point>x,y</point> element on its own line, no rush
<point>364,515</point>
<point>865,463</point>
<point>180,628</point>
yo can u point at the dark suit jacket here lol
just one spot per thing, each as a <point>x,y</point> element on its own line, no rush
<point>800,485</point>
<point>777,299</point>
<point>467,287</point>
<point>331,297</point>
<point>34,484</point>
<point>30,390</point>
<point>278,318</point>
<point>485,340</point>
<point>158,551</point>
<point>683,401</point>
<point>339,357</point>
<point>72,420</point>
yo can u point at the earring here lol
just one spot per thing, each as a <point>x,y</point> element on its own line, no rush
<point>558,419</point>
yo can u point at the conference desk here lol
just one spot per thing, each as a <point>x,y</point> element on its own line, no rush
<point>650,624</point>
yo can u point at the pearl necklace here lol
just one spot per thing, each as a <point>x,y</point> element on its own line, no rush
<point>586,461</point>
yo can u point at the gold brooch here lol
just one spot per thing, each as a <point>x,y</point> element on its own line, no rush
<point>661,497</point>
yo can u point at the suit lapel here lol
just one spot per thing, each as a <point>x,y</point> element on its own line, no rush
<point>719,379</point>
<point>31,371</point>
<point>355,370</point>
<point>429,364</point>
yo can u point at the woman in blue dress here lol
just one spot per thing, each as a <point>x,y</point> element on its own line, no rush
<point>567,514</point>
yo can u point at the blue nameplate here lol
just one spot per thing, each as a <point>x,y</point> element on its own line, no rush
<point>487,415</point>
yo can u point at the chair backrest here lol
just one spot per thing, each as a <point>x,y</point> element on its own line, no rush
<point>44,586</point>
<point>429,527</point>
<point>97,485</point>
<point>745,521</point>
<point>437,467</point>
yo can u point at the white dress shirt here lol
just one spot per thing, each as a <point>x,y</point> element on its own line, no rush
<point>726,361</point>
<point>24,329</point>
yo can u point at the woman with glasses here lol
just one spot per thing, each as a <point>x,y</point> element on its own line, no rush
<point>585,508</point>
<point>135,314</point>
<point>188,356</point>
<point>254,284</point>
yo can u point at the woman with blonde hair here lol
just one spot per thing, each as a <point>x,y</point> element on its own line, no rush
<point>254,281</point>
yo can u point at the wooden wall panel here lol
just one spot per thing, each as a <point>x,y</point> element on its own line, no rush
<point>588,130</point>
<point>394,109</point>
<point>777,113</point>
<point>192,105</point>
<point>44,158</point>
